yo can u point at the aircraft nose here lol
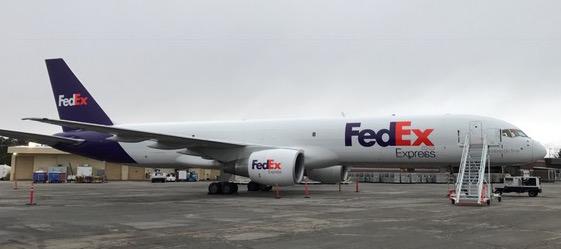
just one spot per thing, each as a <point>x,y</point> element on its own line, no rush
<point>539,151</point>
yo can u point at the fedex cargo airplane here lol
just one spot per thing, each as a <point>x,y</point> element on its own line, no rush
<point>271,152</point>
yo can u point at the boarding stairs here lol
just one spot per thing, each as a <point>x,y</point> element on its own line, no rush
<point>472,181</point>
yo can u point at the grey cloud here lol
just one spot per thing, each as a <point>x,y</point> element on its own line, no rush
<point>213,60</point>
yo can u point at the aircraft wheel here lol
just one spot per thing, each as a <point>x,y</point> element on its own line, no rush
<point>532,193</point>
<point>252,186</point>
<point>227,188</point>
<point>214,188</point>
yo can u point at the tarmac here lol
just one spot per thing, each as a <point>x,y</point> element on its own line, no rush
<point>182,215</point>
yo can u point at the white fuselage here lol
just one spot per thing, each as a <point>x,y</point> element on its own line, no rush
<point>427,141</point>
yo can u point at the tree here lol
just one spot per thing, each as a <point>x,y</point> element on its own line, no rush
<point>5,157</point>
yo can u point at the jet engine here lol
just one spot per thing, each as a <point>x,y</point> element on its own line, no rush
<point>283,167</point>
<point>333,174</point>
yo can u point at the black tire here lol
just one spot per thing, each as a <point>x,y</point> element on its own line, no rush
<point>488,202</point>
<point>252,186</point>
<point>533,193</point>
<point>214,188</point>
<point>227,188</point>
<point>235,188</point>
<point>453,201</point>
<point>499,199</point>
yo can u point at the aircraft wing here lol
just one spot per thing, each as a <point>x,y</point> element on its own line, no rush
<point>41,139</point>
<point>163,141</point>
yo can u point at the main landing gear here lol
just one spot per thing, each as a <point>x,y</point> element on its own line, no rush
<point>225,188</point>
<point>228,188</point>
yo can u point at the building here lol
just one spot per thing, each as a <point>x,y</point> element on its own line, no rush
<point>553,163</point>
<point>31,158</point>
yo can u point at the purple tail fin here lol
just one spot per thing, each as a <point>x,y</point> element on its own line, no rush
<point>72,99</point>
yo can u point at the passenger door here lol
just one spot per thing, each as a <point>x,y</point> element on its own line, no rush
<point>476,132</point>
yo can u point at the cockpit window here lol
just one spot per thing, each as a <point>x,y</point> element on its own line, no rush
<point>519,133</point>
<point>513,133</point>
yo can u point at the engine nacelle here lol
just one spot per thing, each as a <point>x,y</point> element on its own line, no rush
<point>333,174</point>
<point>283,167</point>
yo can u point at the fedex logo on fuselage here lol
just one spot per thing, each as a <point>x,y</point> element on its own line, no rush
<point>75,100</point>
<point>270,164</point>
<point>399,134</point>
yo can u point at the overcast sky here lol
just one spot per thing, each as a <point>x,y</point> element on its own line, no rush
<point>213,60</point>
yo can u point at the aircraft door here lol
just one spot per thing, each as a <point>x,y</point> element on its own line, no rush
<point>493,136</point>
<point>476,132</point>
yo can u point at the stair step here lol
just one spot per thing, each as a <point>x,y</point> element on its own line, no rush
<point>473,173</point>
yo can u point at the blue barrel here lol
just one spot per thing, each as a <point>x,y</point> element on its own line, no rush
<point>40,177</point>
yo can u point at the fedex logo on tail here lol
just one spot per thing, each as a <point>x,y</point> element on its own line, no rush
<point>75,100</point>
<point>398,134</point>
<point>270,164</point>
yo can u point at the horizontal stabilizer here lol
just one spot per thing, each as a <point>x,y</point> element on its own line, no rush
<point>40,139</point>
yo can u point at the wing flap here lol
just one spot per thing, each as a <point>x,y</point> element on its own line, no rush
<point>163,141</point>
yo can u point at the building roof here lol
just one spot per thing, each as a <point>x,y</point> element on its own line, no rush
<point>35,150</point>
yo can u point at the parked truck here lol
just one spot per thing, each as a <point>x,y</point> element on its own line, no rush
<point>158,176</point>
<point>521,184</point>
<point>186,176</point>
